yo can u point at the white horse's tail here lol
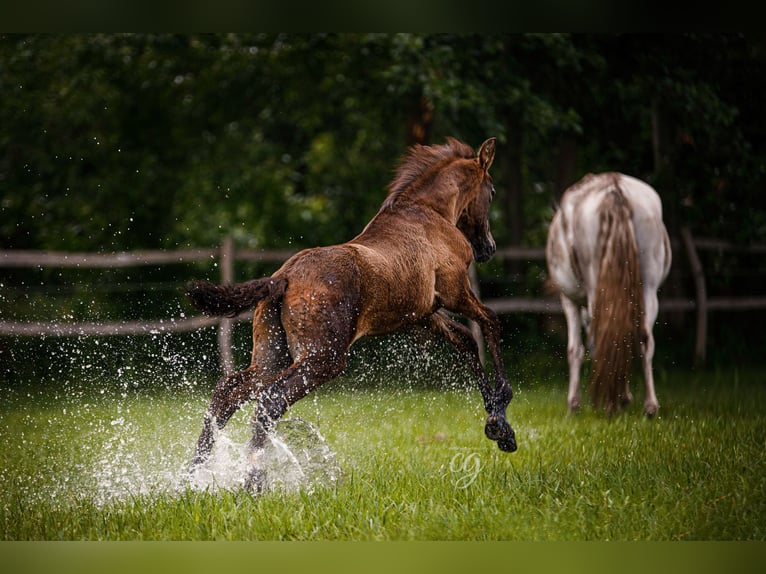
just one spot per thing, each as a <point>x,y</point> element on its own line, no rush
<point>618,304</point>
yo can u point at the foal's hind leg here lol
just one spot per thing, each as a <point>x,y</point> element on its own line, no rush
<point>269,358</point>
<point>222,407</point>
<point>275,397</point>
<point>318,332</point>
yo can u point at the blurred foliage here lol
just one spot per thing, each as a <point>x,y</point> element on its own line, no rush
<point>132,141</point>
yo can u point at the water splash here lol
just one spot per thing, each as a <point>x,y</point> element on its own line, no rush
<point>296,457</point>
<point>118,418</point>
<point>111,423</point>
<point>124,457</point>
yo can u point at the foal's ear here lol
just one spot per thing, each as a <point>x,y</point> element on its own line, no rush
<point>487,153</point>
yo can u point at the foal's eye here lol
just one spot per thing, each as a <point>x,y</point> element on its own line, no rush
<point>492,191</point>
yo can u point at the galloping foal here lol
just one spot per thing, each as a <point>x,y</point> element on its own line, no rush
<point>608,252</point>
<point>410,261</point>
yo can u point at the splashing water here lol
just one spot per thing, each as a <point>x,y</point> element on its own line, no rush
<point>112,427</point>
<point>296,457</point>
<point>119,418</point>
<point>125,456</point>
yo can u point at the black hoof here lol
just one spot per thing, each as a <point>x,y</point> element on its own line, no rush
<point>507,444</point>
<point>255,481</point>
<point>197,462</point>
<point>496,428</point>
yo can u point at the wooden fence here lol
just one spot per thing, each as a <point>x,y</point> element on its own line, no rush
<point>227,255</point>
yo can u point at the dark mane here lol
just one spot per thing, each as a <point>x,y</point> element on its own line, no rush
<point>418,160</point>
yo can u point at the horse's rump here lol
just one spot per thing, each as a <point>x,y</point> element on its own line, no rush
<point>608,253</point>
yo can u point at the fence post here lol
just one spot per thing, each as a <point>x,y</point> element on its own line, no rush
<point>226,261</point>
<point>701,294</point>
<point>475,328</point>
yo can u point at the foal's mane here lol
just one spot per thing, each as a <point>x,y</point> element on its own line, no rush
<point>418,160</point>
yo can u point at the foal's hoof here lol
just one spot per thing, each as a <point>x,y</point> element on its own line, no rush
<point>496,427</point>
<point>255,480</point>
<point>196,463</point>
<point>507,444</point>
<point>499,430</point>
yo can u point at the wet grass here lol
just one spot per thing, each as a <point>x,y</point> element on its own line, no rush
<point>82,462</point>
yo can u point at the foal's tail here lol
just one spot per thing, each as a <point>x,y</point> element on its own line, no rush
<point>231,300</point>
<point>618,304</point>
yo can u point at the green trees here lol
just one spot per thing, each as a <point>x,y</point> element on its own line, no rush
<point>112,142</point>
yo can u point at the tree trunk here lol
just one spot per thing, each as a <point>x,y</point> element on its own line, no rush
<point>664,182</point>
<point>566,165</point>
<point>420,122</point>
<point>512,205</point>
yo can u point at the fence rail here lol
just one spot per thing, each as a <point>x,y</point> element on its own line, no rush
<point>227,255</point>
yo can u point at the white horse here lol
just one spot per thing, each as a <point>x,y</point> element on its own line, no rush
<point>608,252</point>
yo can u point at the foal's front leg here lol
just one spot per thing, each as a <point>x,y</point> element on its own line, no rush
<point>462,340</point>
<point>497,427</point>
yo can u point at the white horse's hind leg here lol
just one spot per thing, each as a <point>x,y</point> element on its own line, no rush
<point>651,308</point>
<point>575,351</point>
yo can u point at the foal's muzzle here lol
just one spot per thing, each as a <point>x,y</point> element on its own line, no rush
<point>485,250</point>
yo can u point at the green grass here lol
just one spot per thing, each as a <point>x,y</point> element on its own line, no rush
<point>83,463</point>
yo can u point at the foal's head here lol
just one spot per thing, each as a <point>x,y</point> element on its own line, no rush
<point>455,182</point>
<point>473,222</point>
